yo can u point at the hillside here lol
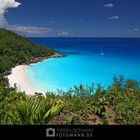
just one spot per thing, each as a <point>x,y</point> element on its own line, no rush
<point>15,106</point>
<point>16,50</point>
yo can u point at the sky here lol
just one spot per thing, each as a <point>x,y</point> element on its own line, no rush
<point>71,18</point>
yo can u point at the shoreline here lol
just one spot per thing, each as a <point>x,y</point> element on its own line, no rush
<point>19,76</point>
<point>39,59</point>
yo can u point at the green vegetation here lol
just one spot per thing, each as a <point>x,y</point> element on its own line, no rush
<point>17,108</point>
<point>118,104</point>
<point>15,50</point>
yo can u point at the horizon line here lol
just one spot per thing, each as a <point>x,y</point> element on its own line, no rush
<point>81,37</point>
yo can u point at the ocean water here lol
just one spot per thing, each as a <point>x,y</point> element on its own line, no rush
<point>86,61</point>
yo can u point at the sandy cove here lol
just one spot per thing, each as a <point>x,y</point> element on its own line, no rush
<point>19,77</point>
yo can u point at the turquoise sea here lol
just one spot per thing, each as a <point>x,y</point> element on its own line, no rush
<point>86,61</point>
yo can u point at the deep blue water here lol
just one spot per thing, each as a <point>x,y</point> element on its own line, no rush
<point>86,60</point>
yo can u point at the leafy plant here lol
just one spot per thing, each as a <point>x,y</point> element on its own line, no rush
<point>37,109</point>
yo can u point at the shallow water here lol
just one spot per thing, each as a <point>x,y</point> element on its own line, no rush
<point>86,60</point>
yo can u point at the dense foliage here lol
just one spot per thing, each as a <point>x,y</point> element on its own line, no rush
<point>17,108</point>
<point>117,104</point>
<point>15,50</point>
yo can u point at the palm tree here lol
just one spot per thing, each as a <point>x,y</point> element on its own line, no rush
<point>36,110</point>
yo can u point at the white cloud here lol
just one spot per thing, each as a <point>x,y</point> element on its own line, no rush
<point>113,18</point>
<point>3,21</point>
<point>36,31</point>
<point>63,34</point>
<point>4,5</point>
<point>133,31</point>
<point>109,5</point>
<point>136,29</point>
<point>30,30</point>
<point>25,30</point>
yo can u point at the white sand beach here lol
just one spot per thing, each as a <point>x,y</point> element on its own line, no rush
<point>19,77</point>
